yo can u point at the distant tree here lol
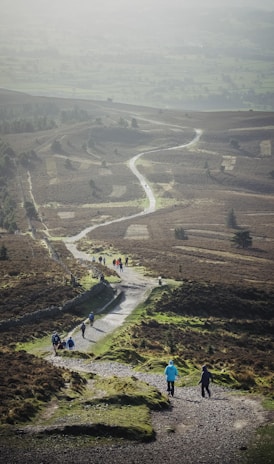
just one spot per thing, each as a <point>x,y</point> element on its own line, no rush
<point>3,253</point>
<point>30,210</point>
<point>171,344</point>
<point>123,123</point>
<point>95,190</point>
<point>56,147</point>
<point>235,144</point>
<point>231,220</point>
<point>8,151</point>
<point>12,226</point>
<point>242,239</point>
<point>134,123</point>
<point>68,164</point>
<point>180,234</point>
<point>208,173</point>
<point>91,142</point>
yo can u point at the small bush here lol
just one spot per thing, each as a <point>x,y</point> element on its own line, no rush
<point>246,380</point>
<point>180,234</point>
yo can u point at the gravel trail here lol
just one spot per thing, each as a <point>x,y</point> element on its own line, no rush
<point>136,288</point>
<point>194,430</point>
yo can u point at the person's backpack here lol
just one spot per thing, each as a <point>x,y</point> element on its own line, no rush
<point>56,339</point>
<point>70,343</point>
<point>91,316</point>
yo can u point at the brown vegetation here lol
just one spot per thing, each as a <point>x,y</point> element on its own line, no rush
<point>88,183</point>
<point>228,327</point>
<point>26,382</point>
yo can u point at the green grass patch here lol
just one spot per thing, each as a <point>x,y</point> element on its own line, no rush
<point>132,391</point>
<point>268,403</point>
<point>118,407</point>
<point>37,346</point>
<point>41,346</point>
<point>163,327</point>
<point>262,450</point>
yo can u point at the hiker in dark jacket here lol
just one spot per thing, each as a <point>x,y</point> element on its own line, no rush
<point>204,381</point>
<point>55,340</point>
<point>83,329</point>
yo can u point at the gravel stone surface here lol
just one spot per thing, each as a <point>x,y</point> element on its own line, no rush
<point>194,430</point>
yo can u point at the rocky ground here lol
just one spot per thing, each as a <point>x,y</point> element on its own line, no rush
<point>194,430</point>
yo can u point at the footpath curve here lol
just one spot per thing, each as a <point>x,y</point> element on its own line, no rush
<point>194,430</point>
<point>135,288</point>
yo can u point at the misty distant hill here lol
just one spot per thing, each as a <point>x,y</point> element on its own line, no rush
<point>199,55</point>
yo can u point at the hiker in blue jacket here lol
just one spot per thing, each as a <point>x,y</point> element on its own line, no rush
<point>171,374</point>
<point>70,343</point>
<point>91,318</point>
<point>204,381</point>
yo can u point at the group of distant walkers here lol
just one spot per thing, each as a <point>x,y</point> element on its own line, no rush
<point>91,322</point>
<point>59,344</point>
<point>118,263</point>
<point>171,373</point>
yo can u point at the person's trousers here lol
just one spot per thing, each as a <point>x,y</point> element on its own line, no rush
<point>170,387</point>
<point>205,387</point>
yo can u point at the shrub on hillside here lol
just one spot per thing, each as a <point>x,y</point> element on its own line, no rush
<point>25,382</point>
<point>217,300</point>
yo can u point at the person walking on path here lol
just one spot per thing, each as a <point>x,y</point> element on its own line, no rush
<point>171,374</point>
<point>55,340</point>
<point>91,318</point>
<point>205,380</point>
<point>83,329</point>
<point>70,343</point>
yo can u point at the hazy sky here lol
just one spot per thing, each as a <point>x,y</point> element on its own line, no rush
<point>114,14</point>
<point>119,34</point>
<point>68,8</point>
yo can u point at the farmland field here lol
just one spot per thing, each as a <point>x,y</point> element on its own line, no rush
<point>80,177</point>
<point>163,57</point>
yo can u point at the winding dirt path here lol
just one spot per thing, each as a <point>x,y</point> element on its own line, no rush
<point>135,288</point>
<point>194,430</point>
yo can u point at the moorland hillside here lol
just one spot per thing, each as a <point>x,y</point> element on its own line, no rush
<point>65,168</point>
